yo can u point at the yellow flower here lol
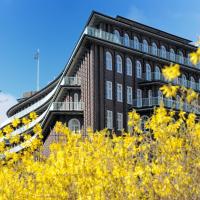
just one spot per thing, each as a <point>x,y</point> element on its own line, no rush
<point>191,95</point>
<point>25,120</point>
<point>195,57</point>
<point>171,72</point>
<point>33,116</point>
<point>169,91</point>
<point>15,122</point>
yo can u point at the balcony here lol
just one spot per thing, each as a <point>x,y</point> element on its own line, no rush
<point>98,33</point>
<point>168,103</point>
<point>67,106</point>
<point>156,76</point>
<point>71,81</point>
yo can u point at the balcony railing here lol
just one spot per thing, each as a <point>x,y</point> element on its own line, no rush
<point>67,106</point>
<point>156,76</point>
<point>71,81</point>
<point>98,33</point>
<point>168,103</point>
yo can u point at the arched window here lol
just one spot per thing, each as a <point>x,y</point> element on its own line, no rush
<point>126,40</point>
<point>138,69</point>
<point>136,43</point>
<point>184,80</point>
<point>150,97</point>
<point>128,67</point>
<point>119,64</point>
<point>148,72</point>
<point>172,55</point>
<point>117,37</point>
<point>180,57</point>
<point>154,49</point>
<point>157,73</point>
<point>163,52</point>
<point>74,125</point>
<point>145,46</point>
<point>192,82</point>
<point>108,60</point>
<point>139,98</point>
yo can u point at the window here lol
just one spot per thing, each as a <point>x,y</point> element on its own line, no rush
<point>192,83</point>
<point>154,49</point>
<point>128,67</point>
<point>119,121</point>
<point>157,73</point>
<point>148,72</point>
<point>129,95</point>
<point>184,80</point>
<point>108,61</point>
<point>119,92</point>
<point>160,95</point>
<point>180,57</point>
<point>139,98</point>
<point>199,85</point>
<point>109,119</point>
<point>74,125</point>
<point>150,97</point>
<point>145,46</point>
<point>126,40</point>
<point>119,64</point>
<point>109,90</point>
<point>117,36</point>
<point>76,104</point>
<point>136,43</point>
<point>172,55</point>
<point>138,69</point>
<point>143,122</point>
<point>163,52</point>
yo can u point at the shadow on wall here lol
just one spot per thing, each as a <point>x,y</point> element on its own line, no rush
<point>6,101</point>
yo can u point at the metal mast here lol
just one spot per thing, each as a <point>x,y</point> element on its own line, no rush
<point>37,58</point>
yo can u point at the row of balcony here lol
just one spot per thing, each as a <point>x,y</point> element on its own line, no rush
<point>71,81</point>
<point>168,103</point>
<point>98,33</point>
<point>157,76</point>
<point>67,106</point>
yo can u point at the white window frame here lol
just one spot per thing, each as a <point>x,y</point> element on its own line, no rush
<point>154,49</point>
<point>109,90</point>
<point>192,82</point>
<point>126,40</point>
<point>163,52</point>
<point>108,61</point>
<point>139,98</point>
<point>145,46</point>
<point>180,57</point>
<point>148,72</point>
<point>184,80</point>
<point>119,93</point>
<point>150,97</point>
<point>119,64</point>
<point>129,66</point>
<point>129,95</point>
<point>136,43</point>
<point>138,69</point>
<point>109,119</point>
<point>119,121</point>
<point>157,73</point>
<point>117,36</point>
<point>172,55</point>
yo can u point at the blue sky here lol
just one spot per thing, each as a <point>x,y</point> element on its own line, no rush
<point>54,26</point>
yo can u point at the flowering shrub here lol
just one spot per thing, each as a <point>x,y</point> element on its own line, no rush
<point>162,162</point>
